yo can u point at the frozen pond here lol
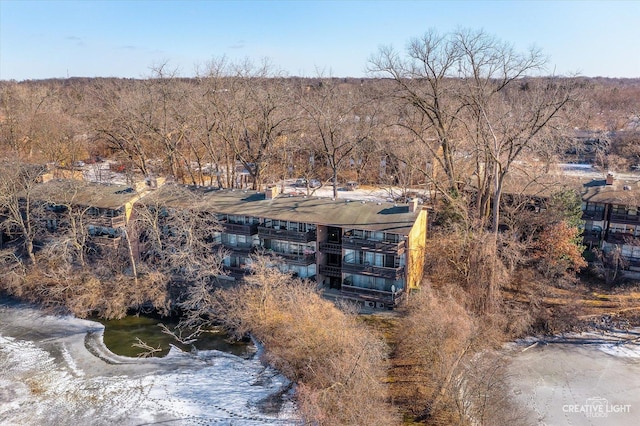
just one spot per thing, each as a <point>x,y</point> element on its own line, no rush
<point>56,371</point>
<point>581,379</point>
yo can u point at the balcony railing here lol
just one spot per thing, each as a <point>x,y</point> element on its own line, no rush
<point>376,271</point>
<point>287,235</point>
<point>239,229</point>
<point>237,271</point>
<point>369,245</point>
<point>625,218</point>
<point>331,248</point>
<point>239,248</point>
<point>118,222</point>
<point>108,222</point>
<point>106,241</point>
<point>622,238</point>
<point>331,271</point>
<point>296,259</point>
<point>631,262</point>
<point>372,294</point>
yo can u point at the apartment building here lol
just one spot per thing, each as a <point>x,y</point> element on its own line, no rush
<point>101,211</point>
<point>370,252</point>
<point>612,219</point>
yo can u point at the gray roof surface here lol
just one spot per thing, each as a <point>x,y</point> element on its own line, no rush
<point>373,216</point>
<point>67,191</point>
<point>624,192</point>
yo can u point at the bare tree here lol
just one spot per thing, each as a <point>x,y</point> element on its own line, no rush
<point>17,184</point>
<point>426,96</point>
<point>338,121</point>
<point>466,98</point>
<point>122,121</point>
<point>178,236</point>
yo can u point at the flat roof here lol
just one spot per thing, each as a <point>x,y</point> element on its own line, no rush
<point>369,215</point>
<point>624,192</point>
<point>89,194</point>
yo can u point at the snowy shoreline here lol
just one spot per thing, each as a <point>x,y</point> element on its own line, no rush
<point>56,370</point>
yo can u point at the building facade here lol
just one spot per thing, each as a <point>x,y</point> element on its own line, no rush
<point>365,251</point>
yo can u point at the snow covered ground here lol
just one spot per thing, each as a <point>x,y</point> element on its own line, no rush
<point>101,172</point>
<point>579,379</point>
<point>589,172</point>
<point>56,371</point>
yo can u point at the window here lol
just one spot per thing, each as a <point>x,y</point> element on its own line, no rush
<point>392,238</point>
<point>239,220</point>
<point>593,207</point>
<point>619,209</point>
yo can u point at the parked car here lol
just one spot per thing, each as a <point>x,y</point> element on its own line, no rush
<point>315,183</point>
<point>300,182</point>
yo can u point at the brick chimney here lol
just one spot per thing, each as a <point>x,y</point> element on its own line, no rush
<point>271,192</point>
<point>609,178</point>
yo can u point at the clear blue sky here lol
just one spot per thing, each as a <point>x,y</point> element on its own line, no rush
<point>120,38</point>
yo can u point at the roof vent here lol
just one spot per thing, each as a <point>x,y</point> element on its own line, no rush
<point>626,188</point>
<point>413,205</point>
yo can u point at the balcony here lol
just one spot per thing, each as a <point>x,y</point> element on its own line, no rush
<point>331,248</point>
<point>592,236</point>
<point>378,246</point>
<point>330,271</point>
<point>625,218</point>
<point>371,294</point>
<point>296,259</point>
<point>237,271</point>
<point>239,248</point>
<point>106,241</point>
<point>108,222</point>
<point>631,262</point>
<point>622,238</point>
<point>593,215</point>
<point>239,229</point>
<point>118,222</point>
<point>286,235</point>
<point>376,271</point>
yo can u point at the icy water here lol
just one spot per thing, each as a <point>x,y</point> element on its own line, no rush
<point>582,379</point>
<point>120,337</point>
<point>56,370</point>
